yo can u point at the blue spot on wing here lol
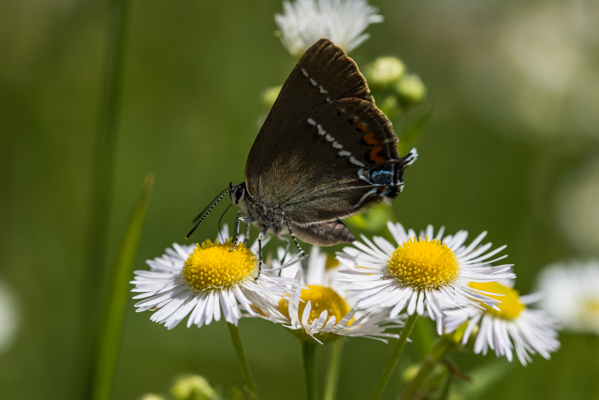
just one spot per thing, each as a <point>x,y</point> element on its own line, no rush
<point>382,175</point>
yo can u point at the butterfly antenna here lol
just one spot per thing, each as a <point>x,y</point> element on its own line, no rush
<point>206,211</point>
<point>222,239</point>
<point>212,203</point>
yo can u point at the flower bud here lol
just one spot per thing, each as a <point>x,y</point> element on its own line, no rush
<point>411,88</point>
<point>152,396</point>
<point>193,387</point>
<point>385,71</point>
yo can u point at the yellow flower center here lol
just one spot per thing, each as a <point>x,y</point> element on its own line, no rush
<point>213,266</point>
<point>331,262</point>
<point>424,263</point>
<point>321,298</point>
<point>592,306</point>
<point>510,305</point>
<point>588,312</point>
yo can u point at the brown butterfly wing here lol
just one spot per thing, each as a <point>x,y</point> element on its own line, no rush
<point>324,233</point>
<point>325,151</point>
<point>324,73</point>
<point>316,175</point>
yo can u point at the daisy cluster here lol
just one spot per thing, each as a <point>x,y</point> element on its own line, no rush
<point>207,281</point>
<point>369,288</point>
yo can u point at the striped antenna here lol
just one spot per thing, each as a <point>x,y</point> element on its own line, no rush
<point>209,208</point>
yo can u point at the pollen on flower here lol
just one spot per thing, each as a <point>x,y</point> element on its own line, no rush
<point>213,266</point>
<point>423,263</point>
<point>509,305</point>
<point>321,298</point>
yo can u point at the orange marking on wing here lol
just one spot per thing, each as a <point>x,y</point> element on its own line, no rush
<point>362,127</point>
<point>370,139</point>
<point>352,120</point>
<point>375,156</point>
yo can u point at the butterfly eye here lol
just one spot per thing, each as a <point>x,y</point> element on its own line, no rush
<point>238,194</point>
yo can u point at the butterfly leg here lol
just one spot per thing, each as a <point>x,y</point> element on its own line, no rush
<point>286,249</point>
<point>247,233</point>
<point>238,221</point>
<point>260,237</point>
<point>301,251</point>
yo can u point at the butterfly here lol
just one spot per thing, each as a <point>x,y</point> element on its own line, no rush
<point>325,152</point>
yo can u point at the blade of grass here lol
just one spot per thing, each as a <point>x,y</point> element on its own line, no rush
<point>94,273</point>
<point>109,338</point>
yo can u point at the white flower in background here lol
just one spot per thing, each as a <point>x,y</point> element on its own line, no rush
<point>319,308</point>
<point>203,279</point>
<point>541,77</point>
<point>421,273</point>
<point>9,318</point>
<point>515,328</point>
<point>303,22</point>
<point>571,294</point>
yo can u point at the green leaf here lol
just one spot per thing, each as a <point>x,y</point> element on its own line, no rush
<point>109,338</point>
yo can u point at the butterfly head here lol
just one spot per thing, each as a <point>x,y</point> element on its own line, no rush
<point>238,193</point>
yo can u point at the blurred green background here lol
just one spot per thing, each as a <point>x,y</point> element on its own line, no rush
<point>512,148</point>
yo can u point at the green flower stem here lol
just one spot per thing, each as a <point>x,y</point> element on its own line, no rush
<point>250,386</point>
<point>308,358</point>
<point>439,350</point>
<point>334,368</point>
<point>394,357</point>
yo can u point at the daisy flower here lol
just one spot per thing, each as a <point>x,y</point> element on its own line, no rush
<point>319,308</point>
<point>515,327</point>
<point>420,273</point>
<point>571,294</point>
<point>303,22</point>
<point>202,280</point>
